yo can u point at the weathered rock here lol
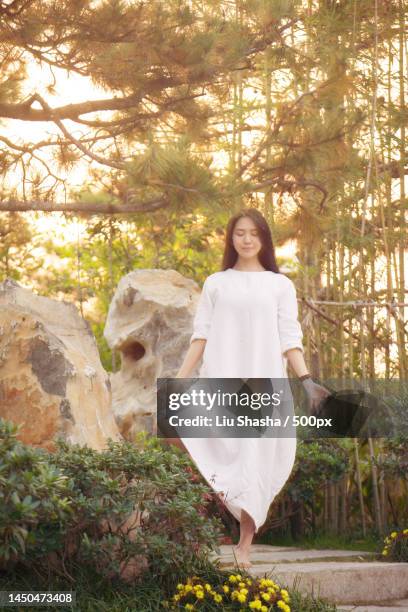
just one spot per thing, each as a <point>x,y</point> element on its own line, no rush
<point>150,323</point>
<point>51,378</point>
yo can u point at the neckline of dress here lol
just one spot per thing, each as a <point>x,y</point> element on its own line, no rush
<point>249,271</point>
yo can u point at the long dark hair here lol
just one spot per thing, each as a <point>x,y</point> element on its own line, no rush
<point>266,255</point>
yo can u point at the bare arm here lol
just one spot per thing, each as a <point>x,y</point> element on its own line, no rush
<point>297,361</point>
<point>192,357</point>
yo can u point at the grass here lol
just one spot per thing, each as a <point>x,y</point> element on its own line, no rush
<point>370,543</point>
<point>94,594</point>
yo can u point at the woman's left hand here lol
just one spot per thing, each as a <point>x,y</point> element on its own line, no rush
<point>316,394</point>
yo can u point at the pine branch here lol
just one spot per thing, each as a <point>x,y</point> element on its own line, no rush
<point>25,112</point>
<point>75,141</point>
<point>289,186</point>
<point>84,207</point>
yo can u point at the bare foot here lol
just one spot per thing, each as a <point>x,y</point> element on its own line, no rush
<point>241,557</point>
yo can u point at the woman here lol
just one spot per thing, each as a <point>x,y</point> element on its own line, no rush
<point>246,326</point>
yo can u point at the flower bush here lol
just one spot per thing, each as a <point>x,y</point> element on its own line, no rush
<point>236,593</point>
<point>396,546</point>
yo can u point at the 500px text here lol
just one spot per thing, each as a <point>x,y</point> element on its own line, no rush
<point>245,421</point>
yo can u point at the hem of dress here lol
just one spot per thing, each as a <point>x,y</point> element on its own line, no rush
<point>226,504</point>
<point>235,515</point>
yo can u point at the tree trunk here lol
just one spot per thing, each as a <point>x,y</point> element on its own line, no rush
<point>359,487</point>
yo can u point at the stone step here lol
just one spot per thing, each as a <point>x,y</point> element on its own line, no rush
<point>391,606</point>
<point>275,554</point>
<point>330,574</point>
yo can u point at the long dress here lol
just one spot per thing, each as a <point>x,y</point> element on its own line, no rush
<point>249,320</point>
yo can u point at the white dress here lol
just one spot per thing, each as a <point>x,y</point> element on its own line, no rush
<point>249,320</point>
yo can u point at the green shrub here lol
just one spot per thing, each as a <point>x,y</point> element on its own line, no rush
<point>317,461</point>
<point>34,500</point>
<point>129,508</point>
<point>394,458</point>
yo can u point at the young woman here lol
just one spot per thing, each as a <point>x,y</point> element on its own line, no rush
<point>246,326</point>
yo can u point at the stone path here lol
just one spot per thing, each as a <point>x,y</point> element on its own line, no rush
<point>354,580</point>
<point>390,606</point>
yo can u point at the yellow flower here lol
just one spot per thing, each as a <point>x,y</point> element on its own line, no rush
<point>405,532</point>
<point>232,579</point>
<point>244,591</point>
<point>394,534</point>
<point>188,588</point>
<point>217,598</point>
<point>226,588</point>
<point>249,582</point>
<point>180,587</point>
<point>264,609</point>
<point>241,584</point>
<point>266,596</point>
<point>281,604</point>
<point>241,597</point>
<point>255,604</point>
<point>189,607</point>
<point>266,582</point>
<point>385,553</point>
<point>176,597</point>
<point>200,594</point>
<point>285,595</point>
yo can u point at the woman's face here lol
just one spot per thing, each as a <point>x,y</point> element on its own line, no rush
<point>246,239</point>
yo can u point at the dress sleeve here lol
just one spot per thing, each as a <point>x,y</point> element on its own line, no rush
<point>290,331</point>
<point>203,315</point>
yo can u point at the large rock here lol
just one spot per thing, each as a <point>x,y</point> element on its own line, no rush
<point>150,323</point>
<point>51,377</point>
